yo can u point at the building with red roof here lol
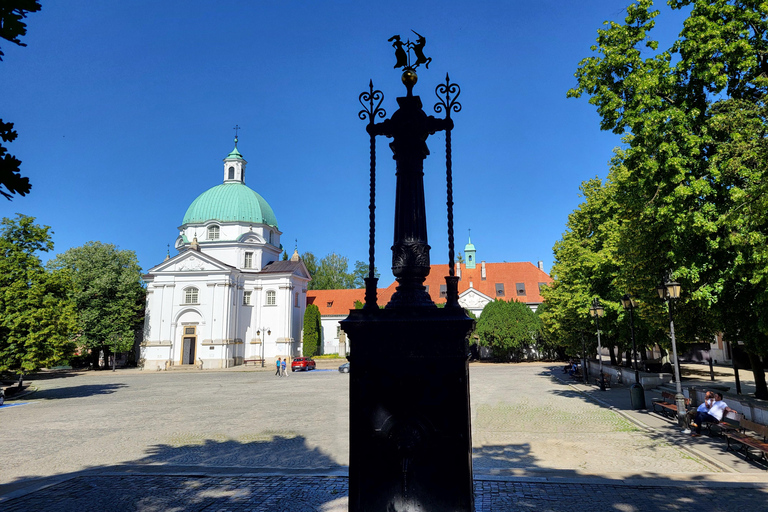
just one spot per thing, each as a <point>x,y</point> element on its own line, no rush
<point>479,284</point>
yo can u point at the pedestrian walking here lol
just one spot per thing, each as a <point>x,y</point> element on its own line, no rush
<point>283,365</point>
<point>278,367</point>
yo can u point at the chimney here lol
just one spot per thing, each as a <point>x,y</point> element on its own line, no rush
<point>482,270</point>
<point>541,265</point>
<point>458,270</point>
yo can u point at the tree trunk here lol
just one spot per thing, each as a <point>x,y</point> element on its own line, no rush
<point>613,356</point>
<point>114,360</point>
<point>761,390</point>
<point>630,358</point>
<point>95,358</point>
<point>643,353</point>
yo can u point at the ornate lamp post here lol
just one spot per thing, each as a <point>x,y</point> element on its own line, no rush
<point>410,445</point>
<point>636,391</point>
<point>266,331</point>
<point>669,291</point>
<point>597,311</point>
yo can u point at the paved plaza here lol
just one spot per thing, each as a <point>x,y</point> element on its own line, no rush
<point>243,439</point>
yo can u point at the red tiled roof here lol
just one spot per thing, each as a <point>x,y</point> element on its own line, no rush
<point>339,302</point>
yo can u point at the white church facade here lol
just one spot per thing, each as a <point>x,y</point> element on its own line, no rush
<point>226,298</point>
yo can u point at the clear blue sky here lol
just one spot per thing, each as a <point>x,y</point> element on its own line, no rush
<point>125,110</point>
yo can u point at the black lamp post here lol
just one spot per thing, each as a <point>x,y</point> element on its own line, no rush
<point>636,391</point>
<point>669,290</point>
<point>266,331</point>
<point>597,311</point>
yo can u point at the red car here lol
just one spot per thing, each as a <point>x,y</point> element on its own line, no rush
<point>302,363</point>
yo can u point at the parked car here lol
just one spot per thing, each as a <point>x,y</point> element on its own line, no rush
<point>302,363</point>
<point>344,368</point>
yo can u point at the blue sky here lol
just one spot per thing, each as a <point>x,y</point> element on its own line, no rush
<point>125,111</point>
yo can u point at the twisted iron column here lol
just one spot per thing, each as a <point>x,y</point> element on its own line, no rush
<point>370,112</point>
<point>448,103</point>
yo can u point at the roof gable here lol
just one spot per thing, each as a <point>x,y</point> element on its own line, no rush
<point>191,261</point>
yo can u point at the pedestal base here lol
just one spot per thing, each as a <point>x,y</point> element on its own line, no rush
<point>410,435</point>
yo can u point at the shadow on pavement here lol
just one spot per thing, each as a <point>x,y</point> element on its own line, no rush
<point>76,391</point>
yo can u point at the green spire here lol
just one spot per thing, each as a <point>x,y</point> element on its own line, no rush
<point>235,153</point>
<point>469,253</point>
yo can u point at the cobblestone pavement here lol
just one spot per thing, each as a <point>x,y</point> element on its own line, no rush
<point>529,429</point>
<point>120,493</point>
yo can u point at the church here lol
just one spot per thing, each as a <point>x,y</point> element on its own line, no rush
<point>226,298</point>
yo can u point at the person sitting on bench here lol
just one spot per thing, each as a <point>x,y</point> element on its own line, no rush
<point>709,399</point>
<point>714,415</point>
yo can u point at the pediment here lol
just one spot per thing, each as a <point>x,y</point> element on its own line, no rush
<point>473,299</point>
<point>250,238</point>
<point>191,261</point>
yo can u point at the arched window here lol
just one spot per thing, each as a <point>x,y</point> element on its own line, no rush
<point>190,295</point>
<point>231,173</point>
<point>270,236</point>
<point>271,298</point>
<point>213,232</point>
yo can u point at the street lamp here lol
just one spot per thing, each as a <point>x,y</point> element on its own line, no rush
<point>636,391</point>
<point>669,290</point>
<point>597,311</point>
<point>266,331</point>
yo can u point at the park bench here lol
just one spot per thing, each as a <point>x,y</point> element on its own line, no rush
<point>254,361</point>
<point>607,377</point>
<point>667,403</point>
<point>729,423</point>
<point>751,436</point>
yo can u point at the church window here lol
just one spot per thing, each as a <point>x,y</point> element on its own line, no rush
<point>469,258</point>
<point>296,300</point>
<point>338,331</point>
<point>271,298</point>
<point>247,298</point>
<point>499,289</point>
<point>231,173</point>
<point>270,237</point>
<point>520,288</point>
<point>248,260</point>
<point>213,232</point>
<point>190,296</point>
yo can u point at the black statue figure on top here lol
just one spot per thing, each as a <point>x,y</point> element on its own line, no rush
<point>403,59</point>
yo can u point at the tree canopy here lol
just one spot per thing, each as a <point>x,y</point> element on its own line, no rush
<point>37,319</point>
<point>12,12</point>
<point>507,328</point>
<point>108,292</point>
<point>332,272</point>
<point>686,190</point>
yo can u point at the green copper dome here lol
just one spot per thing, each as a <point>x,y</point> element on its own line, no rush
<point>230,202</point>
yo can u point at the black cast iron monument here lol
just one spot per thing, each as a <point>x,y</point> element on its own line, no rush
<point>410,436</point>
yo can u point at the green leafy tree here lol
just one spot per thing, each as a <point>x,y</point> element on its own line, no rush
<point>332,274</point>
<point>37,319</point>
<point>109,294</point>
<point>691,174</point>
<point>312,331</point>
<point>360,272</point>
<point>310,261</point>
<point>284,257</point>
<point>12,12</point>
<point>507,328</point>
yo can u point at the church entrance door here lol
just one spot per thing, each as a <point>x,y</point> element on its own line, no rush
<point>188,346</point>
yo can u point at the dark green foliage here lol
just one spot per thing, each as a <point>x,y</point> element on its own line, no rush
<point>12,12</point>
<point>507,328</point>
<point>37,319</point>
<point>109,294</point>
<point>312,331</point>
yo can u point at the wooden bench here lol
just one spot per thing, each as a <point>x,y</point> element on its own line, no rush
<point>254,361</point>
<point>667,403</point>
<point>751,436</point>
<point>607,377</point>
<point>729,423</point>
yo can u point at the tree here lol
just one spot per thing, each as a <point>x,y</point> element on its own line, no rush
<point>332,274</point>
<point>284,257</point>
<point>459,258</point>
<point>12,12</point>
<point>507,328</point>
<point>109,294</point>
<point>310,261</point>
<point>37,319</point>
<point>692,173</point>
<point>360,273</point>
<point>312,331</point>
